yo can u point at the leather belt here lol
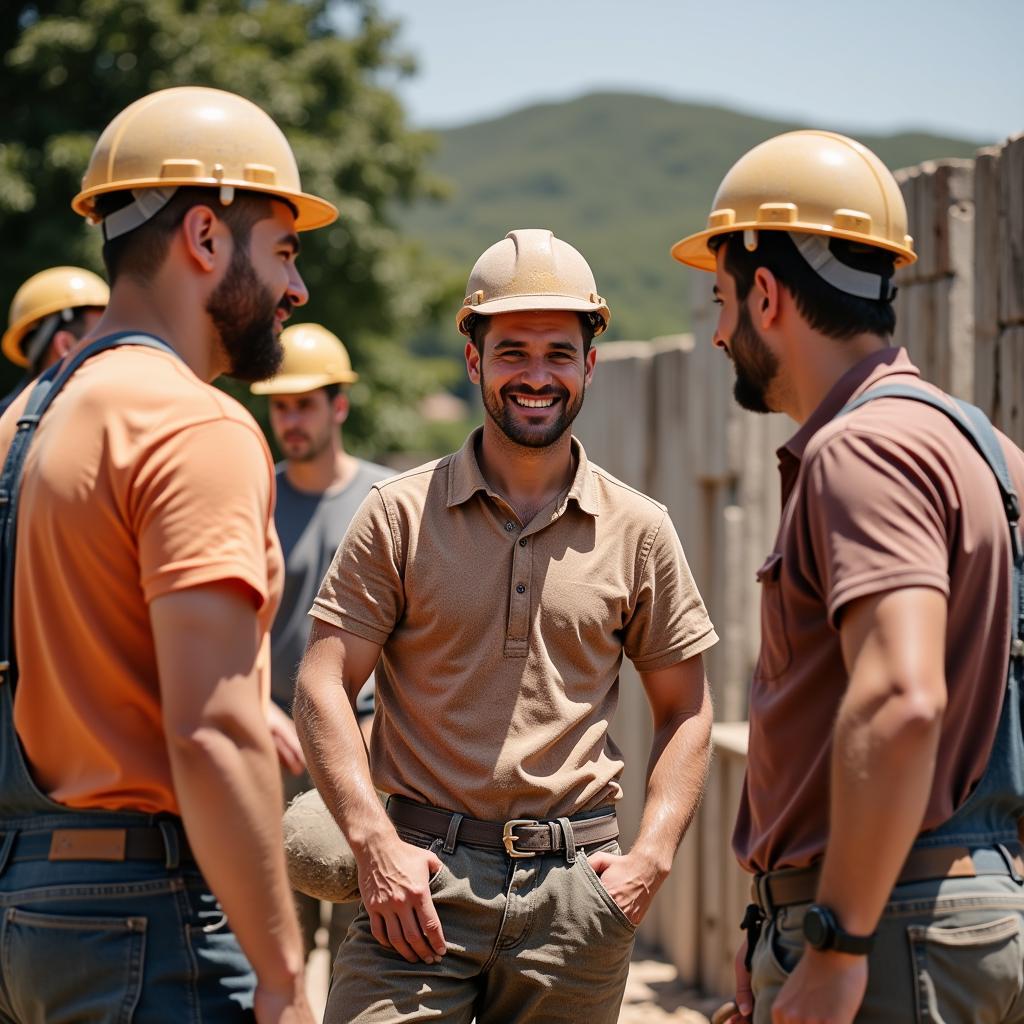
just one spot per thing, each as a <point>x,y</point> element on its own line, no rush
<point>519,837</point>
<point>800,885</point>
<point>102,844</point>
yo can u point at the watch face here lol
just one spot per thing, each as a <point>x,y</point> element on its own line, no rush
<point>817,927</point>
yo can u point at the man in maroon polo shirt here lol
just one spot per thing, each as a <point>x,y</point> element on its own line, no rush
<point>884,781</point>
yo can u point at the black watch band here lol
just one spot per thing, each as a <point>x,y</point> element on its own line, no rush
<point>823,931</point>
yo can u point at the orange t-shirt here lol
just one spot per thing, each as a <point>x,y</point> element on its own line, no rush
<point>142,480</point>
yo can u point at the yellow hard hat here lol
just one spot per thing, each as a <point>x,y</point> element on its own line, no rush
<point>313,358</point>
<point>191,136</point>
<point>530,269</point>
<point>806,183</point>
<point>50,291</point>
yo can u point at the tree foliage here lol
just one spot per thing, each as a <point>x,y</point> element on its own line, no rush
<point>324,71</point>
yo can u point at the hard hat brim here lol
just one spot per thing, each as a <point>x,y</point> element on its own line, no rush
<point>693,250</point>
<point>538,304</point>
<point>297,384</point>
<point>11,344</point>
<point>311,211</point>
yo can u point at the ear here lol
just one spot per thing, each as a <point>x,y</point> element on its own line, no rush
<point>589,362</point>
<point>472,362</point>
<point>63,342</point>
<point>765,297</point>
<point>206,239</point>
<point>340,408</point>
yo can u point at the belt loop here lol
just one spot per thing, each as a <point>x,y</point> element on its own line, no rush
<point>570,840</point>
<point>453,833</point>
<point>761,891</point>
<point>1011,867</point>
<point>6,845</point>
<point>172,847</point>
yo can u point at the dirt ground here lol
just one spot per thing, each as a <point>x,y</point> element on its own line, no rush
<point>653,992</point>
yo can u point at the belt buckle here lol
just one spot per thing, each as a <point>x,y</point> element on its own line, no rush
<point>509,837</point>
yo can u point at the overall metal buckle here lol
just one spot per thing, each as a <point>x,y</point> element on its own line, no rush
<point>509,837</point>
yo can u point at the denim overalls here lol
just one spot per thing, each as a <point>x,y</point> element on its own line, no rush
<point>127,931</point>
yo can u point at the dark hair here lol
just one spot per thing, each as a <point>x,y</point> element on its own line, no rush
<point>477,326</point>
<point>332,390</point>
<point>141,253</point>
<point>834,313</point>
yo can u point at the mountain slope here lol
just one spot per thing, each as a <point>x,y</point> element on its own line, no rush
<point>621,176</point>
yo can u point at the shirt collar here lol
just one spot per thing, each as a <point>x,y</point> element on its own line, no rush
<point>887,362</point>
<point>465,478</point>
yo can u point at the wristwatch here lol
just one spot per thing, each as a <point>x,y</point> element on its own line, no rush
<point>823,931</point>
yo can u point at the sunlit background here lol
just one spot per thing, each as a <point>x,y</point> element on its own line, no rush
<point>438,125</point>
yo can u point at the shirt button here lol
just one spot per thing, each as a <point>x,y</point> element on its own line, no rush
<point>510,526</point>
<point>520,589</point>
<point>522,542</point>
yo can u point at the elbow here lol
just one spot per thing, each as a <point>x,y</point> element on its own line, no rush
<point>912,711</point>
<point>199,742</point>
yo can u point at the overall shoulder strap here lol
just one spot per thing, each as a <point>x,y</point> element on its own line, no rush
<point>44,391</point>
<point>975,426</point>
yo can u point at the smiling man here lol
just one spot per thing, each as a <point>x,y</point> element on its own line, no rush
<point>143,872</point>
<point>502,585</point>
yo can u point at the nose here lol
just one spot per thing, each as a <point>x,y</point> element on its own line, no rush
<point>535,374</point>
<point>718,339</point>
<point>298,293</point>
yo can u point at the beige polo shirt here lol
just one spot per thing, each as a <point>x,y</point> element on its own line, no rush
<point>502,641</point>
<point>888,496</point>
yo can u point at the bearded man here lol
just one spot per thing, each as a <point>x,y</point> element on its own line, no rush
<point>500,587</point>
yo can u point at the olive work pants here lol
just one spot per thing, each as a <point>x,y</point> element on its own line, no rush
<point>947,952</point>
<point>536,940</point>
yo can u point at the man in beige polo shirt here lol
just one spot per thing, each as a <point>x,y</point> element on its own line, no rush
<point>886,765</point>
<point>501,587</point>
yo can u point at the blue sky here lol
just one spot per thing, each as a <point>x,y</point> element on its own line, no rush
<point>869,65</point>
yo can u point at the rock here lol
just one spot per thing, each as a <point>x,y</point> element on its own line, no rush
<point>320,861</point>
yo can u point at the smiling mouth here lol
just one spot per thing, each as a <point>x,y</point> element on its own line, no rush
<point>533,403</point>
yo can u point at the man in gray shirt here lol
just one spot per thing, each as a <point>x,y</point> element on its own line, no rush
<point>319,488</point>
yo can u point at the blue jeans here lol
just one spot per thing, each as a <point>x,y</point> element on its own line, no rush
<point>110,942</point>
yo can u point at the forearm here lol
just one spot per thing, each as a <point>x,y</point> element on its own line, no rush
<point>680,757</point>
<point>229,790</point>
<point>337,760</point>
<point>883,761</point>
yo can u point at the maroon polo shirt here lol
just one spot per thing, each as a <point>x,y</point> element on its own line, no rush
<point>888,496</point>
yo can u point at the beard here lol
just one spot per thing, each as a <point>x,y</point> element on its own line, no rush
<point>503,411</point>
<point>307,447</point>
<point>242,309</point>
<point>754,362</point>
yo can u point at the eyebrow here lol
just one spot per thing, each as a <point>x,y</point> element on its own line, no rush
<point>513,343</point>
<point>291,239</point>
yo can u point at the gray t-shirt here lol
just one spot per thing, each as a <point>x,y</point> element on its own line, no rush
<point>310,527</point>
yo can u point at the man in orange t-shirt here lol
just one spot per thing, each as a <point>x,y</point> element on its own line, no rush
<point>142,787</point>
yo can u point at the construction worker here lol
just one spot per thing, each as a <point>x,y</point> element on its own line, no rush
<point>139,791</point>
<point>319,488</point>
<point>502,585</point>
<point>885,772</point>
<point>50,312</point>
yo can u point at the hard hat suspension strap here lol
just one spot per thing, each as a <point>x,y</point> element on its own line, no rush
<point>147,203</point>
<point>816,250</point>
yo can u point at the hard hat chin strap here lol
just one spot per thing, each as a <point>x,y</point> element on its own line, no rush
<point>147,203</point>
<point>819,256</point>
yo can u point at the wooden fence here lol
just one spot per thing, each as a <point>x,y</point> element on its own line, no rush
<point>660,416</point>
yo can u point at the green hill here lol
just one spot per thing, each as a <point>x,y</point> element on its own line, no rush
<point>620,176</point>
